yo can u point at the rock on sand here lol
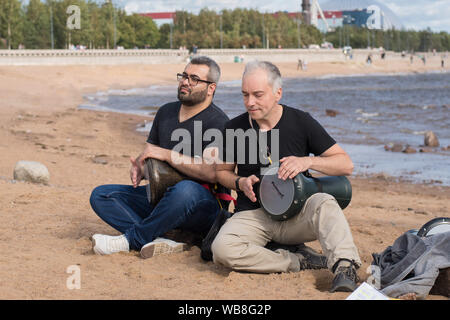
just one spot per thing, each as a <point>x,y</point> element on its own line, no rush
<point>31,171</point>
<point>430,139</point>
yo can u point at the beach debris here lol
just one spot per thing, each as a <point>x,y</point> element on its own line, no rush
<point>409,149</point>
<point>383,176</point>
<point>394,147</point>
<point>426,150</point>
<point>142,125</point>
<point>331,112</point>
<point>31,171</point>
<point>431,139</point>
<point>100,159</point>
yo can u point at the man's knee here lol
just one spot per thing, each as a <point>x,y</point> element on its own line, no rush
<point>186,188</point>
<point>225,249</point>
<point>188,191</point>
<point>317,200</point>
<point>96,194</point>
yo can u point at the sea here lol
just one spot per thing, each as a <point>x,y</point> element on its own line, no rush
<point>365,114</point>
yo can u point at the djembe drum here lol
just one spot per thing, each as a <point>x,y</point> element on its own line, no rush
<point>160,176</point>
<point>283,199</point>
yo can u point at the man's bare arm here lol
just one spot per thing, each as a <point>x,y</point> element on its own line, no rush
<point>199,168</point>
<point>334,162</point>
<point>226,177</point>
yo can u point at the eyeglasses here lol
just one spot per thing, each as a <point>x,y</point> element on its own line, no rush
<point>193,80</point>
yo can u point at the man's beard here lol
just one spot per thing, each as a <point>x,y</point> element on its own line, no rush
<point>192,98</point>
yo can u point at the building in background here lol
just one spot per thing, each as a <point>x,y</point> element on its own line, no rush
<point>160,17</point>
<point>362,13</point>
<point>369,14</point>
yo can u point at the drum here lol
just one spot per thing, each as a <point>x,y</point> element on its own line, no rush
<point>160,176</point>
<point>434,226</point>
<point>283,199</point>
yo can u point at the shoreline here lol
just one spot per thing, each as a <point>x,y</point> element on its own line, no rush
<point>46,229</point>
<point>399,173</point>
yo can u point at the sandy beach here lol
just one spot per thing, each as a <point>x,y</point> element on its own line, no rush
<point>45,229</point>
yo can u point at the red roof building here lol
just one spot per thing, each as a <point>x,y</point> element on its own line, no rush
<point>159,15</point>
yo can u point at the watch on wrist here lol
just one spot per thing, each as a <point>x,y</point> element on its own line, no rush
<point>236,183</point>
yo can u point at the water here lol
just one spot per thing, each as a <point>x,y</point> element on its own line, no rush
<point>372,112</point>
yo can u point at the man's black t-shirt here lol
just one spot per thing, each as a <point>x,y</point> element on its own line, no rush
<point>299,135</point>
<point>189,134</point>
<point>187,137</point>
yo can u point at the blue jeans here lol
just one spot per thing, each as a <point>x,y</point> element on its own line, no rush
<point>187,205</point>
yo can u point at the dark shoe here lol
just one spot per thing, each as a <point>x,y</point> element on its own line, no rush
<point>309,258</point>
<point>345,278</point>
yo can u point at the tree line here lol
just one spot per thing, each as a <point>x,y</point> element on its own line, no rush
<point>395,40</point>
<point>44,25</point>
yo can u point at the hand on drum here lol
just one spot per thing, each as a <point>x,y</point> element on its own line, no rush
<point>154,152</point>
<point>135,172</point>
<point>292,166</point>
<point>246,186</point>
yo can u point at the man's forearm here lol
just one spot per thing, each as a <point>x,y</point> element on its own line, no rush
<point>193,167</point>
<point>227,178</point>
<point>335,165</point>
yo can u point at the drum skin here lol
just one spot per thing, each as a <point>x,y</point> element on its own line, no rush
<point>160,176</point>
<point>283,199</point>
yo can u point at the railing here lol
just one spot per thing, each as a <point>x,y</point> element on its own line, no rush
<point>66,57</point>
<point>161,56</point>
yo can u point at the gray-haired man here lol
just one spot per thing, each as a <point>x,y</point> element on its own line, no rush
<point>240,243</point>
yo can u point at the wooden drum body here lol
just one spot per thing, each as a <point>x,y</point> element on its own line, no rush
<point>160,176</point>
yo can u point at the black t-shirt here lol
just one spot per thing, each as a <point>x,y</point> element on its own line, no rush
<point>188,134</point>
<point>188,137</point>
<point>298,134</point>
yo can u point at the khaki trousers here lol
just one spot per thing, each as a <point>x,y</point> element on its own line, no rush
<point>240,242</point>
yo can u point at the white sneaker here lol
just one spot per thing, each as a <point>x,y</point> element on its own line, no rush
<point>103,244</point>
<point>161,246</point>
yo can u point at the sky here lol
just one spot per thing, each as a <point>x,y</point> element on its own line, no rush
<point>414,14</point>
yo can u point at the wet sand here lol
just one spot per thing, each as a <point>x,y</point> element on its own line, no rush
<point>46,229</point>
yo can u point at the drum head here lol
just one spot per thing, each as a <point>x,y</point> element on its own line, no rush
<point>276,195</point>
<point>434,226</point>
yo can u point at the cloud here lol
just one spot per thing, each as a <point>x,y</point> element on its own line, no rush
<point>420,14</point>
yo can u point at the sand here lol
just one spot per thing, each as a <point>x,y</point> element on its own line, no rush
<point>45,230</point>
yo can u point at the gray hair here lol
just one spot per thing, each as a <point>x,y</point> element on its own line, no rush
<point>214,69</point>
<point>273,73</point>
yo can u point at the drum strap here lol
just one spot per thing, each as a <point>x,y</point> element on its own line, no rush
<point>219,196</point>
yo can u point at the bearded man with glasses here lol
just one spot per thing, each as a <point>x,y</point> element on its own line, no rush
<point>187,205</point>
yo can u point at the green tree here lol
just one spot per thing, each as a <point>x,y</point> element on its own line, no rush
<point>11,23</point>
<point>37,26</point>
<point>164,39</point>
<point>145,30</point>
